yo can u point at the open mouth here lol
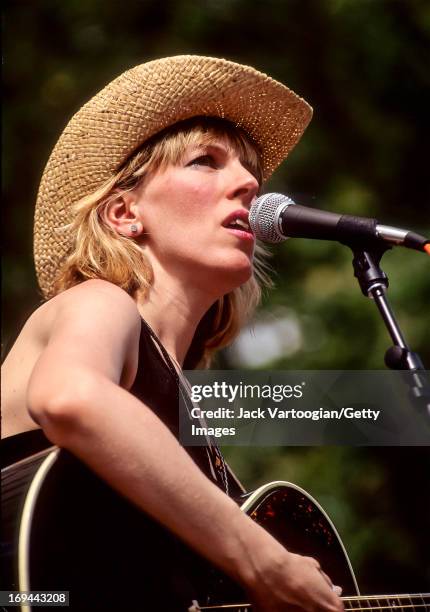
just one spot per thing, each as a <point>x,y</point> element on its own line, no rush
<point>239,224</point>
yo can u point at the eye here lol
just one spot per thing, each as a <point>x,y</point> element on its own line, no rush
<point>203,160</point>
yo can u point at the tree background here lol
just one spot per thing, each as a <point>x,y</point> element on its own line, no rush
<point>363,66</point>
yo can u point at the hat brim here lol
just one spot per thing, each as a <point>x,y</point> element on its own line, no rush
<point>137,105</point>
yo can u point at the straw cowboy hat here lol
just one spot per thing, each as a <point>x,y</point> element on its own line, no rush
<point>140,103</point>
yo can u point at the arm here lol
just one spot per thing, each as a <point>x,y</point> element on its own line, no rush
<point>76,396</point>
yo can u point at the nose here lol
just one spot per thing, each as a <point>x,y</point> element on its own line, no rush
<point>244,185</point>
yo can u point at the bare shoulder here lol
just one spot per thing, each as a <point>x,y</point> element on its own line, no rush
<point>94,301</point>
<point>92,304</point>
<point>96,312</point>
<point>94,321</point>
<point>95,324</point>
<point>97,295</point>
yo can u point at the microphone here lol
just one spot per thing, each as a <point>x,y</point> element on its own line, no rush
<point>274,217</point>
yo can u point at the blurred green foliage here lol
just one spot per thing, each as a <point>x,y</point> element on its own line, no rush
<point>363,65</point>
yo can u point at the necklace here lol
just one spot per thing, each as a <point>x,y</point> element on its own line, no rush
<point>215,456</point>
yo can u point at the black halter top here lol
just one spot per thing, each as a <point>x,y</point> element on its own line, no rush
<point>159,386</point>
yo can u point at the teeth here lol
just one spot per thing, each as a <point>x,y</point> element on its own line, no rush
<point>242,223</point>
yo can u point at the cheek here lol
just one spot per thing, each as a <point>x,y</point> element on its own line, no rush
<point>190,203</point>
<point>177,206</point>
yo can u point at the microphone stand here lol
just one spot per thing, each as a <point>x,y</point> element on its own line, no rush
<point>374,284</point>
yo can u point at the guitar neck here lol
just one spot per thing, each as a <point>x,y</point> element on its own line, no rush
<point>408,602</point>
<point>358,603</point>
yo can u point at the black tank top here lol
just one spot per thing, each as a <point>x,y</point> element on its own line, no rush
<point>159,386</point>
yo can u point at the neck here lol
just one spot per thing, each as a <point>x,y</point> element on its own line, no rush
<point>173,310</point>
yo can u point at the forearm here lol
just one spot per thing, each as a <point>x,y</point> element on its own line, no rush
<point>128,446</point>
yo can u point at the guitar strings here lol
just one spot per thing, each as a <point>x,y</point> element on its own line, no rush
<point>249,606</point>
<point>399,596</point>
<point>391,607</point>
<point>395,606</point>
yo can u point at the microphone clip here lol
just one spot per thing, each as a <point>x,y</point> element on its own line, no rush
<point>367,269</point>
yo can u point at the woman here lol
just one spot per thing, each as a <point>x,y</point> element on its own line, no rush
<point>143,247</point>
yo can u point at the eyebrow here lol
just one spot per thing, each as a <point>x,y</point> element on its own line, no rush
<point>211,145</point>
<point>226,149</point>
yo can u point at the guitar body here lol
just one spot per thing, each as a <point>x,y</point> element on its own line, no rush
<point>76,534</point>
<point>65,529</point>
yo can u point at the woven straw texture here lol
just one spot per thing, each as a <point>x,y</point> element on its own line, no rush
<point>135,106</point>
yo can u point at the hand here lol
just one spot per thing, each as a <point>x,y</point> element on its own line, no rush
<point>295,581</point>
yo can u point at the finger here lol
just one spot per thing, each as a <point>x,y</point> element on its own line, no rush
<point>337,590</point>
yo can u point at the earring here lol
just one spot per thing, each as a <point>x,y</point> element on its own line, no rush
<point>133,228</point>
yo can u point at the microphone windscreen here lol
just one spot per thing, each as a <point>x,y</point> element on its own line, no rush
<point>264,216</point>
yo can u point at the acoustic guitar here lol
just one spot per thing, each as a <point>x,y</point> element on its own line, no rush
<point>66,530</point>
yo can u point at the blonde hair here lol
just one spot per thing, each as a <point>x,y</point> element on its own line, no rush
<point>100,252</point>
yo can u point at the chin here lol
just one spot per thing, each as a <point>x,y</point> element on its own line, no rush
<point>224,274</point>
<point>238,273</point>
<point>246,274</point>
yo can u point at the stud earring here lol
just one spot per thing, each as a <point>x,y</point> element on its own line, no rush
<point>133,228</point>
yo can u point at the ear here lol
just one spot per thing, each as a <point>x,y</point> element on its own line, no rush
<point>121,214</point>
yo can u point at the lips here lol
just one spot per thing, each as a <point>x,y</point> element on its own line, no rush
<point>238,220</point>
